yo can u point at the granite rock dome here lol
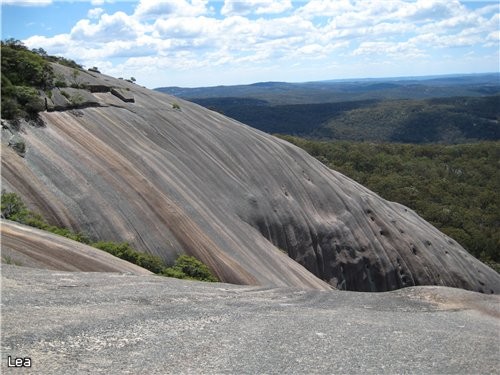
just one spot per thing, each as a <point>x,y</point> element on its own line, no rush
<point>172,177</point>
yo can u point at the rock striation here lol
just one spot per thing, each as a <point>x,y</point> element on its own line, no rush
<point>30,247</point>
<point>255,208</point>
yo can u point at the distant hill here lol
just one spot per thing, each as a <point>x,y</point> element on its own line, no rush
<point>447,109</point>
<point>275,93</point>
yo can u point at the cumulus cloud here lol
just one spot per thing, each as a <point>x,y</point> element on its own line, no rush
<point>168,8</point>
<point>118,26</point>
<point>185,27</point>
<point>429,10</point>
<point>189,34</point>
<point>95,12</point>
<point>392,49</point>
<point>325,8</point>
<point>238,7</point>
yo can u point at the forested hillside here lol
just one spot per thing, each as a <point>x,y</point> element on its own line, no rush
<point>443,120</point>
<point>455,187</point>
<point>446,109</point>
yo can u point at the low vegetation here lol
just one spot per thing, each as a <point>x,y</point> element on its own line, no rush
<point>25,73</point>
<point>188,267</point>
<point>13,208</point>
<point>185,267</point>
<point>454,187</point>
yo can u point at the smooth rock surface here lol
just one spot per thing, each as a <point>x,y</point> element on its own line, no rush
<point>189,180</point>
<point>31,247</point>
<point>100,323</point>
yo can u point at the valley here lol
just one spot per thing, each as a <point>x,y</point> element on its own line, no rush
<point>438,110</point>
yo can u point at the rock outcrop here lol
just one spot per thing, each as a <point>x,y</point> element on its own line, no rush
<point>256,209</point>
<point>81,323</point>
<point>30,247</point>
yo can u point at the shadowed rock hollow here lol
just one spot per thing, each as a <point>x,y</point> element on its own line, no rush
<point>133,167</point>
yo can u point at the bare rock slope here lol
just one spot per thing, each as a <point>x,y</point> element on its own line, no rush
<point>102,323</point>
<point>31,247</point>
<point>171,177</point>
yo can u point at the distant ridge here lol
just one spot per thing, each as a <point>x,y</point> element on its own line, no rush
<point>451,108</point>
<point>447,79</point>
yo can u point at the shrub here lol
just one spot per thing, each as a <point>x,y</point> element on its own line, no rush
<point>13,208</point>
<point>192,268</point>
<point>75,236</point>
<point>76,100</point>
<point>66,62</point>
<point>176,106</point>
<point>18,144</point>
<point>21,101</point>
<point>60,81</point>
<point>125,251</point>
<point>10,108</point>
<point>23,67</point>
<point>173,272</point>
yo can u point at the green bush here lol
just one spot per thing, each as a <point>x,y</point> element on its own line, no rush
<point>10,108</point>
<point>193,268</point>
<point>75,236</point>
<point>18,144</point>
<point>173,272</point>
<point>24,67</point>
<point>66,62</point>
<point>125,251</point>
<point>13,208</point>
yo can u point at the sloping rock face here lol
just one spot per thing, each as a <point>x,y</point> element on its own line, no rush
<point>80,323</point>
<point>254,208</point>
<point>31,247</point>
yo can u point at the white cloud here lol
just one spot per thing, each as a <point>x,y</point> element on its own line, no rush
<point>95,13</point>
<point>187,34</point>
<point>185,27</point>
<point>238,7</point>
<point>429,10</point>
<point>392,49</point>
<point>55,45</point>
<point>118,26</point>
<point>325,8</point>
<point>170,8</point>
<point>97,2</point>
<point>494,36</point>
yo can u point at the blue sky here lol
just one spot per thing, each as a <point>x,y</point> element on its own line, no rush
<point>206,43</point>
